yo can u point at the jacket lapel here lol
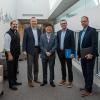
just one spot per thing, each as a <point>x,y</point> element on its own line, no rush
<point>66,34</point>
<point>60,36</point>
<point>46,38</point>
<point>51,37</point>
<point>38,33</point>
<point>31,32</point>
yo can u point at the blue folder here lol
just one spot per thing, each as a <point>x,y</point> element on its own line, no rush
<point>68,53</point>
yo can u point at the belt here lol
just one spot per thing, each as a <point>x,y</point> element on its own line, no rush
<point>36,46</point>
<point>61,50</point>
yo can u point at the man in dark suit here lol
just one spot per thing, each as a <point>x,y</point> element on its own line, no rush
<point>87,39</point>
<point>48,44</point>
<point>31,47</point>
<point>65,40</point>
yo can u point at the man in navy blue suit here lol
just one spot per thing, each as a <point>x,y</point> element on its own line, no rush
<point>88,38</point>
<point>31,47</point>
<point>65,40</point>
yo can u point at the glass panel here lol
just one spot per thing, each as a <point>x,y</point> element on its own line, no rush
<point>98,68</point>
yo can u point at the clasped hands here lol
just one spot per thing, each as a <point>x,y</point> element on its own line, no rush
<point>48,54</point>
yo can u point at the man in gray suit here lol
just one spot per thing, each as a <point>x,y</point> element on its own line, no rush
<point>48,44</point>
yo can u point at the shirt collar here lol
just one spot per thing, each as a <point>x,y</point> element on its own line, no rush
<point>34,28</point>
<point>48,34</point>
<point>84,29</point>
<point>64,30</point>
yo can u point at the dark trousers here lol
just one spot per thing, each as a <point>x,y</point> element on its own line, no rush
<point>32,61</point>
<point>88,68</point>
<point>12,71</point>
<point>63,61</point>
<point>45,63</point>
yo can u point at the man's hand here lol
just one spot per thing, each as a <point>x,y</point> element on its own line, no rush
<point>10,57</point>
<point>89,56</point>
<point>72,56</point>
<point>48,54</point>
<point>24,53</point>
<point>78,58</point>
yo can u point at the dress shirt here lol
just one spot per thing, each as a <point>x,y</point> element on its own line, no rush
<point>62,40</point>
<point>48,36</point>
<point>7,41</point>
<point>34,30</point>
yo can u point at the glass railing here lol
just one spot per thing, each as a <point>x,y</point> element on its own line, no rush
<point>98,59</point>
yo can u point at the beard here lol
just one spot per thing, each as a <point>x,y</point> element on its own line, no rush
<point>15,28</point>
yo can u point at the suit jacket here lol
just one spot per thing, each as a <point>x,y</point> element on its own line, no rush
<point>69,41</point>
<point>45,46</point>
<point>90,39</point>
<point>29,41</point>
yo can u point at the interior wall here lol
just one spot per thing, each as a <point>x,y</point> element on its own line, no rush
<point>7,13</point>
<point>74,22</point>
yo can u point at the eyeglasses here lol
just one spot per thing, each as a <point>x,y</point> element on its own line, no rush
<point>83,21</point>
<point>63,23</point>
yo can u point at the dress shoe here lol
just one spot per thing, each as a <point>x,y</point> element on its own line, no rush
<point>30,83</point>
<point>82,89</point>
<point>17,83</point>
<point>86,93</point>
<point>13,88</point>
<point>52,84</point>
<point>69,85</point>
<point>43,84</point>
<point>63,82</point>
<point>36,81</point>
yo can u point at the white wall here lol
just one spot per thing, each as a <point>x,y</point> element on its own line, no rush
<point>6,7</point>
<point>32,7</point>
<point>74,22</point>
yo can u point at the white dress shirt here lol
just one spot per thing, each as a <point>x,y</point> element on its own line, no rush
<point>7,41</point>
<point>34,30</point>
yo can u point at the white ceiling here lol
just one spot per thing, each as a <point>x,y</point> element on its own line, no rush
<point>28,8</point>
<point>41,8</point>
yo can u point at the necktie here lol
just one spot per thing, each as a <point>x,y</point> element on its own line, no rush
<point>82,36</point>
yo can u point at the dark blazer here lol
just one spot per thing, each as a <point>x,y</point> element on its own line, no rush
<point>69,41</point>
<point>90,40</point>
<point>29,41</point>
<point>45,46</point>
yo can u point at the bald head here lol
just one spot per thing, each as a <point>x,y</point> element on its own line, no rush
<point>84,21</point>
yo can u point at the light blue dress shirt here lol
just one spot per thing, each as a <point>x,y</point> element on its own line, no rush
<point>62,40</point>
<point>34,30</point>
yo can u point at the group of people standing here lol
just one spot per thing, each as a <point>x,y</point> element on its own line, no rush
<point>46,44</point>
